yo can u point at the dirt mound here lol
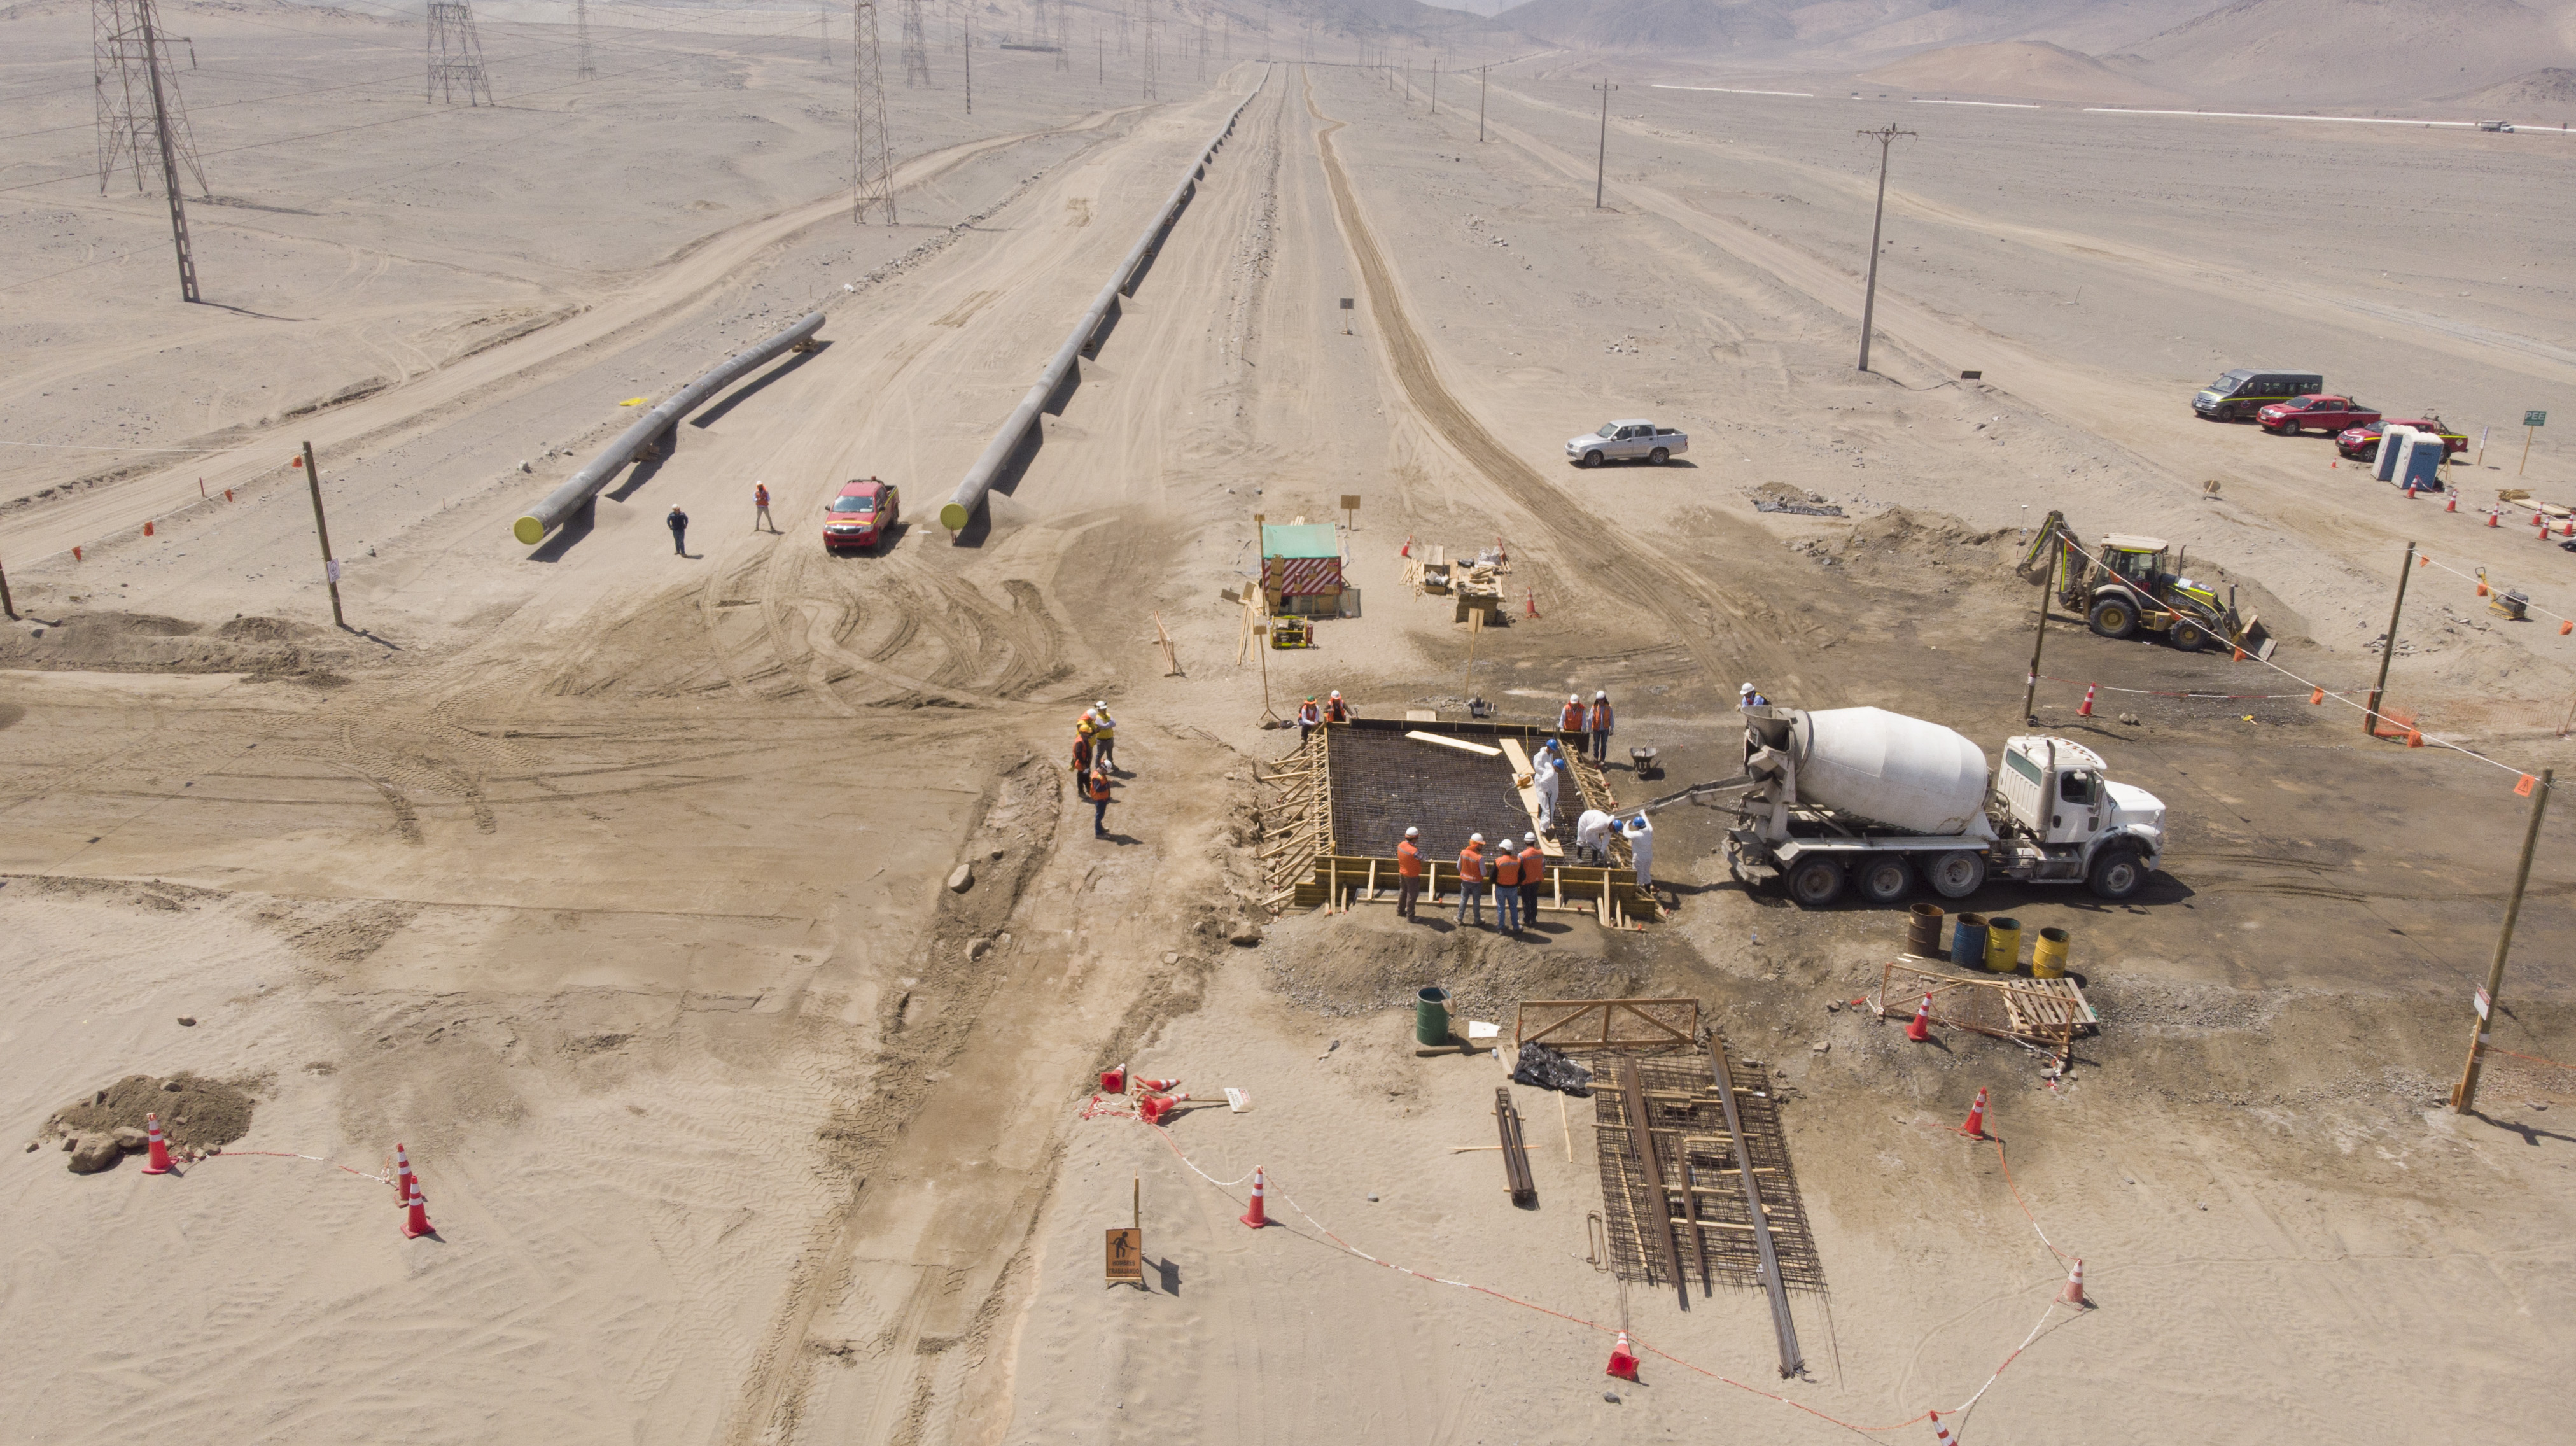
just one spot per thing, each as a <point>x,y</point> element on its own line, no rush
<point>267,648</point>
<point>2020,70</point>
<point>2308,52</point>
<point>1368,960</point>
<point>2545,94</point>
<point>195,1113</point>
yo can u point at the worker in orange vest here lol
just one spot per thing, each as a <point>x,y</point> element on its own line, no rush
<point>1095,786</point>
<point>1507,889</point>
<point>1408,873</point>
<point>1599,722</point>
<point>760,506</point>
<point>1335,710</point>
<point>1471,879</point>
<point>1570,718</point>
<point>1533,873</point>
<point>1081,751</point>
<point>1309,718</point>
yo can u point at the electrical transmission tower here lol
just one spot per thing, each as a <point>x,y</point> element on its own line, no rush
<point>823,33</point>
<point>1153,60</point>
<point>581,37</point>
<point>455,54</point>
<point>1123,7</point>
<point>916,48</point>
<point>140,108</point>
<point>871,149</point>
<point>1063,38</point>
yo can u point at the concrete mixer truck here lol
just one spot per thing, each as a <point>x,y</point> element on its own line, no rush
<point>1867,799</point>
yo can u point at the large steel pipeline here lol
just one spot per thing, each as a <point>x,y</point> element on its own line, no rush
<point>583,485</point>
<point>978,481</point>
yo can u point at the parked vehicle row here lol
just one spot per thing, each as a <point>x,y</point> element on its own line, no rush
<point>2292,403</point>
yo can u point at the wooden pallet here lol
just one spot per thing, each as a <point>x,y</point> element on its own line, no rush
<point>2040,1011</point>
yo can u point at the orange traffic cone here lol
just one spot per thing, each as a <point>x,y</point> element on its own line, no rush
<point>2410,491</point>
<point>2316,697</point>
<point>2414,737</point>
<point>1975,1128</point>
<point>2074,1293</point>
<point>2492,519</point>
<point>2087,710</point>
<point>2564,628</point>
<point>1623,1361</point>
<point>1920,1031</point>
<point>147,528</point>
<point>75,554</point>
<point>417,1225</point>
<point>1255,1215</point>
<point>1114,1081</point>
<point>159,1164</point>
<point>1153,1109</point>
<point>2453,505</point>
<point>1940,1432</point>
<point>1407,549</point>
<point>404,1179</point>
<point>1533,604</point>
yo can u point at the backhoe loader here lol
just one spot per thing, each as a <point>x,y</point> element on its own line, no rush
<point>2122,587</point>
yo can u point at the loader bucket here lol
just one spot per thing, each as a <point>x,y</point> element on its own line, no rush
<point>2255,640</point>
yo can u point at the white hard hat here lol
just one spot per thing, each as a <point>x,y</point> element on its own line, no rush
<point>1507,840</point>
<point>1103,707</point>
<point>1746,690</point>
<point>1574,697</point>
<point>1475,838</point>
<point>1413,833</point>
<point>1597,693</point>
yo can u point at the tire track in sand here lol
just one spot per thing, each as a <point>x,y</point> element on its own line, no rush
<point>1583,541</point>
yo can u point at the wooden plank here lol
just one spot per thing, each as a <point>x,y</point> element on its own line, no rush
<point>1518,757</point>
<point>1421,715</point>
<point>1461,744</point>
<point>1641,1136</point>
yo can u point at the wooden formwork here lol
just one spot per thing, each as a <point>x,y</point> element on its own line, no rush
<point>2050,1012</point>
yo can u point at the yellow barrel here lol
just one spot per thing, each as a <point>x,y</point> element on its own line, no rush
<point>2003,945</point>
<point>2048,956</point>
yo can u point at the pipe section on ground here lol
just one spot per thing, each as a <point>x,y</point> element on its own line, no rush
<point>978,481</point>
<point>585,484</point>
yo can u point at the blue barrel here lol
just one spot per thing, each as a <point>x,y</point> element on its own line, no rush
<point>1968,942</point>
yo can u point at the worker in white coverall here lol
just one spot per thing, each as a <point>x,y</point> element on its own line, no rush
<point>1592,834</point>
<point>1641,847</point>
<point>1545,766</point>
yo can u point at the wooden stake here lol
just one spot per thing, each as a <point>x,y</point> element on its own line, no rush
<point>330,568</point>
<point>2465,1097</point>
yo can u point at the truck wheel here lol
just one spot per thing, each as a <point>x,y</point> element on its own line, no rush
<point>1816,883</point>
<point>1958,874</point>
<point>2114,618</point>
<point>1591,459</point>
<point>2189,637</point>
<point>1884,879</point>
<point>2118,873</point>
<point>1658,456</point>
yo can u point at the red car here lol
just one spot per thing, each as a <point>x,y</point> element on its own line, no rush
<point>2362,443</point>
<point>863,515</point>
<point>2327,414</point>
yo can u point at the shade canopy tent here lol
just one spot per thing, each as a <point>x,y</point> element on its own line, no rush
<point>1301,567</point>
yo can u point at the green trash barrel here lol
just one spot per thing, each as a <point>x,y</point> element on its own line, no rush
<point>1431,1016</point>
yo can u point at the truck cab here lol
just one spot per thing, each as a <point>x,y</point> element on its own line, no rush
<point>2060,795</point>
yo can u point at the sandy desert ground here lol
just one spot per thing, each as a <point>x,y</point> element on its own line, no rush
<point>615,884</point>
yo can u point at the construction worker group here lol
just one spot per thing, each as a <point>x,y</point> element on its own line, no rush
<point>1095,748</point>
<point>1513,872</point>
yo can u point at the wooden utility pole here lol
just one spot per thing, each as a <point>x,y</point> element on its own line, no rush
<point>969,49</point>
<point>2039,635</point>
<point>1601,159</point>
<point>322,529</point>
<point>1480,103</point>
<point>1878,218</point>
<point>2465,1097</point>
<point>1435,85</point>
<point>2370,714</point>
<point>6,604</point>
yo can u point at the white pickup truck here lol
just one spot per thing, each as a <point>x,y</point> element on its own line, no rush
<point>1629,441</point>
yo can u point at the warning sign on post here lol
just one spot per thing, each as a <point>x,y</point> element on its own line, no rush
<point>1126,1256</point>
<point>2529,419</point>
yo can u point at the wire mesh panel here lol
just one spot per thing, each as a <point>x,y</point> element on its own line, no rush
<point>1686,1127</point>
<point>1385,782</point>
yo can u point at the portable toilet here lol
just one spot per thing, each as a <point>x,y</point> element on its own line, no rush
<point>2419,462</point>
<point>2391,443</point>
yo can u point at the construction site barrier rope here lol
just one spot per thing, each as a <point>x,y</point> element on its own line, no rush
<point>1094,1110</point>
<point>292,1155</point>
<point>2319,692</point>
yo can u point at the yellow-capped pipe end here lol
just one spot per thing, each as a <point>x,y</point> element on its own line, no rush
<point>529,531</point>
<point>954,517</point>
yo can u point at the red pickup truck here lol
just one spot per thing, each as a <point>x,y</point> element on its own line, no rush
<point>2327,414</point>
<point>2362,443</point>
